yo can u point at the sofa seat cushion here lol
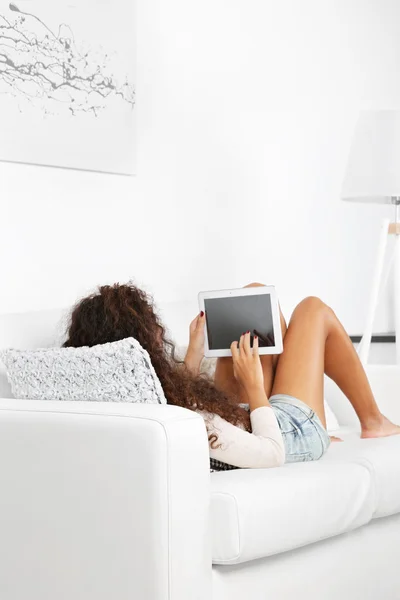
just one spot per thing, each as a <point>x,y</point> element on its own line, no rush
<point>381,456</point>
<point>261,512</point>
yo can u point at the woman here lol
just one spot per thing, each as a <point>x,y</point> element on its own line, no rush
<point>260,411</point>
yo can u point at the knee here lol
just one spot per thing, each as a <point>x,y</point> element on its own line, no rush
<point>255,284</point>
<point>313,305</point>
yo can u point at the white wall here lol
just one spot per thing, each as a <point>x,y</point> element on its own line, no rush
<point>245,116</point>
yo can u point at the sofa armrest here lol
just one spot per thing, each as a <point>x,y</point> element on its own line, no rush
<point>102,500</point>
<point>385,384</point>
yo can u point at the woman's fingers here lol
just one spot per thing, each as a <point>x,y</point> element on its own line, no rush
<point>235,351</point>
<point>200,320</point>
<point>243,348</point>
<point>241,343</point>
<point>194,324</point>
<point>255,346</point>
<point>246,343</point>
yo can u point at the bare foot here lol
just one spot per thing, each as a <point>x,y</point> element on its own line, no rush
<point>335,439</point>
<point>383,428</point>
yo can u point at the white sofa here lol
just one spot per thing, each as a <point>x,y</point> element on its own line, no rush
<point>111,501</point>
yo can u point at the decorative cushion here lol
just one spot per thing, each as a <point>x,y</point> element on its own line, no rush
<point>28,331</point>
<point>114,372</point>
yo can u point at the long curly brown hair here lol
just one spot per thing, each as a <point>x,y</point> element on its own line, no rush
<point>115,312</point>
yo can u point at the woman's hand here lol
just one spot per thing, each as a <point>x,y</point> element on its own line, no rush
<point>195,352</point>
<point>247,367</point>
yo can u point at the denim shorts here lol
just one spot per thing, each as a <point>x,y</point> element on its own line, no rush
<point>304,436</point>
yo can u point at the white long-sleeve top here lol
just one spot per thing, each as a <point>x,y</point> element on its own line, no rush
<point>261,449</point>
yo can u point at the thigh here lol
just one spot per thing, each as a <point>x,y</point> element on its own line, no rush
<point>300,369</point>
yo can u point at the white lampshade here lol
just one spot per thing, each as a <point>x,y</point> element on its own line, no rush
<point>373,169</point>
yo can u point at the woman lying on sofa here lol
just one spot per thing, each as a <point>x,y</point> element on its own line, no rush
<point>260,411</point>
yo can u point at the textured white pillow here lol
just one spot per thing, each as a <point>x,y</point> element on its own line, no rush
<point>115,372</point>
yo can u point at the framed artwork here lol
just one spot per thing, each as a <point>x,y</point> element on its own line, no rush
<point>67,84</point>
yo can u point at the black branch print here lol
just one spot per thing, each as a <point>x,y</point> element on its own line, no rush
<point>50,71</point>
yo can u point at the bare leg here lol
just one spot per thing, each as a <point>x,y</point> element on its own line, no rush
<point>224,378</point>
<point>316,342</point>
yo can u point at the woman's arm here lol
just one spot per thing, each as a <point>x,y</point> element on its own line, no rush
<point>248,371</point>
<point>195,351</point>
<point>193,361</point>
<point>261,449</point>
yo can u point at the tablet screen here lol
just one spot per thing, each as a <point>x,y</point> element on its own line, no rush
<point>227,318</point>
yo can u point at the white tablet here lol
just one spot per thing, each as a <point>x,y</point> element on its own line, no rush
<point>229,313</point>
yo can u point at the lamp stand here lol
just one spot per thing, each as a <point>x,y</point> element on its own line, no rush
<point>379,283</point>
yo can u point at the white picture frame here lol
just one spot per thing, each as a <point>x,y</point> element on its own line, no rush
<point>67,84</point>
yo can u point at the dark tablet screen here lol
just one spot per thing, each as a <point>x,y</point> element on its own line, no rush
<point>227,318</point>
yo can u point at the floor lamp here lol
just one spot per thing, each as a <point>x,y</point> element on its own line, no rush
<point>373,176</point>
